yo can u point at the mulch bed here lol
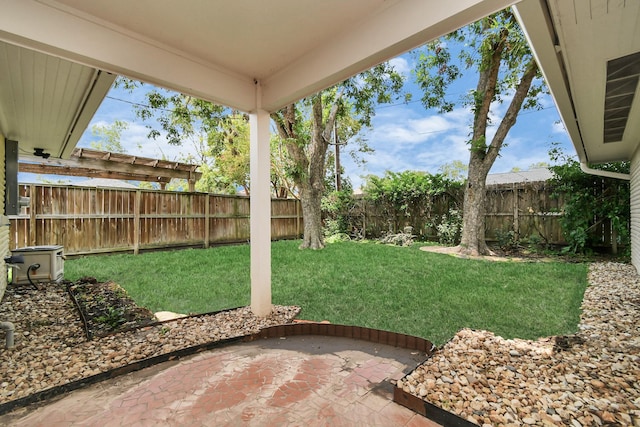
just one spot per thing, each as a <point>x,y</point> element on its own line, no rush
<point>106,308</point>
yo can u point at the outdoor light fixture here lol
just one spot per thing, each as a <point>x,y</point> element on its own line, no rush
<point>40,153</point>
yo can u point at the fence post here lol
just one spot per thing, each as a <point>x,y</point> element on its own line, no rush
<point>298,218</point>
<point>516,213</point>
<point>32,215</point>
<point>136,222</point>
<point>364,221</point>
<point>207,212</point>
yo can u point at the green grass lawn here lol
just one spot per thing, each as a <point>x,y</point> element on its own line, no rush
<point>386,287</point>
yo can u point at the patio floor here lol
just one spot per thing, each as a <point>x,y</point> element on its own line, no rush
<point>293,381</point>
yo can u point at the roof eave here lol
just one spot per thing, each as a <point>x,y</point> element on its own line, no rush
<point>537,25</point>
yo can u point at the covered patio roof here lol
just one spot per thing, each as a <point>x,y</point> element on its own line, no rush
<point>220,51</point>
<point>252,55</point>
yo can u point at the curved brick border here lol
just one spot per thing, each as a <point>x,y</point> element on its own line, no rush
<point>303,328</point>
<point>353,332</point>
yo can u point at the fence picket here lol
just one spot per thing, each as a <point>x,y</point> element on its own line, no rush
<point>99,220</point>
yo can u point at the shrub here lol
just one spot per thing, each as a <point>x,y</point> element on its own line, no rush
<point>589,200</point>
<point>336,206</point>
<point>408,197</point>
<point>506,239</point>
<point>448,227</point>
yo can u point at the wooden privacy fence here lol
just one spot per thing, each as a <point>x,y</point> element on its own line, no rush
<point>94,220</point>
<point>526,209</point>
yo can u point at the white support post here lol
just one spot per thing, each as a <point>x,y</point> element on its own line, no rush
<point>260,222</point>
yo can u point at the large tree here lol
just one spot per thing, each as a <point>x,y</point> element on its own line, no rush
<point>307,129</point>
<point>496,49</point>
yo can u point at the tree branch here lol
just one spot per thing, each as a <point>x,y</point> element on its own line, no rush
<point>487,87</point>
<point>512,112</point>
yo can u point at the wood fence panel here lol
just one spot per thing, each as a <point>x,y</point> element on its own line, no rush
<point>89,220</point>
<point>95,220</point>
<point>286,220</point>
<point>526,209</point>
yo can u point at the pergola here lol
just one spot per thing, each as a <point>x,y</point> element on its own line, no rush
<point>104,164</point>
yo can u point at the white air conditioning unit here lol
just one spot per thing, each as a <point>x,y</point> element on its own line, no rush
<point>41,264</point>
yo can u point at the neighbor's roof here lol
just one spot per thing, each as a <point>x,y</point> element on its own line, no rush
<point>533,175</point>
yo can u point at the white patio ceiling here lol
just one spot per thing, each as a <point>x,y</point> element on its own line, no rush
<point>218,50</point>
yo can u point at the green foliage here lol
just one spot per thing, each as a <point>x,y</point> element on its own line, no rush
<point>589,200</point>
<point>436,67</point>
<point>180,116</point>
<point>408,195</point>
<point>114,317</point>
<point>336,209</point>
<point>229,147</point>
<point>506,239</point>
<point>455,171</point>
<point>108,136</point>
<point>448,227</point>
<point>337,237</point>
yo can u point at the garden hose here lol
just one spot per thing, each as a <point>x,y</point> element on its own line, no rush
<point>33,267</point>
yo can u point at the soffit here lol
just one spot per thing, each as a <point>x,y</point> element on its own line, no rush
<point>575,42</point>
<point>47,102</point>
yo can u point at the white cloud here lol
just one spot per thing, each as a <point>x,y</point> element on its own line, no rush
<point>401,65</point>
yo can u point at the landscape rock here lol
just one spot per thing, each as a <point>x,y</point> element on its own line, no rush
<point>591,378</point>
<point>51,346</point>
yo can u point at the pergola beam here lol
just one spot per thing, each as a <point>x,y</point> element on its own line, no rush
<point>44,169</point>
<point>119,166</point>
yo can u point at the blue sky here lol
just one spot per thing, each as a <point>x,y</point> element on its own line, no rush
<point>403,136</point>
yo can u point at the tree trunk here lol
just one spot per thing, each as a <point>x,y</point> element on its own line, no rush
<point>483,156</point>
<point>472,241</point>
<point>310,200</point>
<point>310,165</point>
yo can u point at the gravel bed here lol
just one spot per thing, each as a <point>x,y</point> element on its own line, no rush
<point>51,347</point>
<point>591,378</point>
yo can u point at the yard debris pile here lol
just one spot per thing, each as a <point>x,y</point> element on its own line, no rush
<point>51,347</point>
<point>588,379</point>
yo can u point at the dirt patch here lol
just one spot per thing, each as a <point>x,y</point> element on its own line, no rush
<point>497,256</point>
<point>523,254</point>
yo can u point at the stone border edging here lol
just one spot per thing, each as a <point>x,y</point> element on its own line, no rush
<point>343,331</point>
<point>428,410</point>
